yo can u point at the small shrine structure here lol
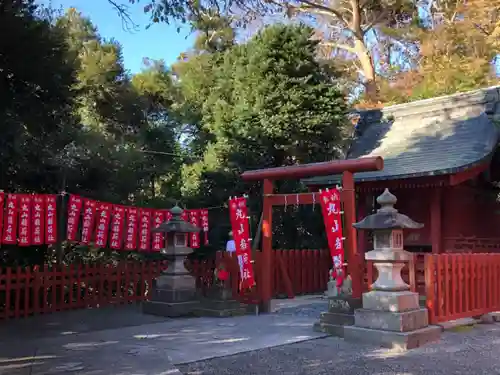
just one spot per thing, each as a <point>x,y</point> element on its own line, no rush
<point>442,162</point>
<point>347,168</point>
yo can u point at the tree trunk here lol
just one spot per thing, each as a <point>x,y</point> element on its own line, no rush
<point>367,67</point>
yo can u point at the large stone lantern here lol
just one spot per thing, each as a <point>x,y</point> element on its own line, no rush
<point>391,315</point>
<point>175,290</point>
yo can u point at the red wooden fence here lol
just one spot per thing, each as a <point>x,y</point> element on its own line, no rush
<point>462,285</point>
<point>35,290</point>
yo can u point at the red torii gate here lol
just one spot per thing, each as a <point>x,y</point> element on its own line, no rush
<point>347,168</point>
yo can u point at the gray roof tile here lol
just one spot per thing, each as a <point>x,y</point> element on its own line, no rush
<point>420,142</point>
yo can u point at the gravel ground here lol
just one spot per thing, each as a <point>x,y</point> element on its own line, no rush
<point>470,351</point>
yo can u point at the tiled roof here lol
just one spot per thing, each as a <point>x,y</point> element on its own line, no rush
<point>431,137</point>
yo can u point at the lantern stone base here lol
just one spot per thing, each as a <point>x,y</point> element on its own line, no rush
<point>340,314</point>
<point>172,296</point>
<point>392,319</point>
<point>170,309</point>
<point>220,303</point>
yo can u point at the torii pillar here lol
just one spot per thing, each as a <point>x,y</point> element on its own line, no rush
<point>345,167</point>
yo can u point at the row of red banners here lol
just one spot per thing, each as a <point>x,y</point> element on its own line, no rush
<point>238,215</point>
<point>125,227</point>
<point>30,219</point>
<point>332,216</point>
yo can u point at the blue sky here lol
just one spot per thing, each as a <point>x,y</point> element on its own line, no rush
<point>160,41</point>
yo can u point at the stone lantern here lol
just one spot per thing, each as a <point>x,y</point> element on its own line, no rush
<point>175,290</point>
<point>391,315</point>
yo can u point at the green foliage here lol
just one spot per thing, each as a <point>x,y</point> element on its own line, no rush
<point>268,103</point>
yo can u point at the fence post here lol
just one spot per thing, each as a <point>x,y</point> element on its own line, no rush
<point>429,270</point>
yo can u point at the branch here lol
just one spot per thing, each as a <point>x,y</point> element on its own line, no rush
<point>345,47</point>
<point>356,19</point>
<point>322,9</point>
<point>376,21</point>
<point>127,23</point>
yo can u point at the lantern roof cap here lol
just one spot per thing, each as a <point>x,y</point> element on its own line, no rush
<point>176,224</point>
<point>387,217</point>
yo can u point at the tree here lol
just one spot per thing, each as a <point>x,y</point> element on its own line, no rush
<point>270,103</point>
<point>36,111</point>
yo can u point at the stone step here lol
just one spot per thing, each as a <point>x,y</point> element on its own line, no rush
<point>401,341</point>
<point>391,321</point>
<point>331,329</point>
<point>336,318</point>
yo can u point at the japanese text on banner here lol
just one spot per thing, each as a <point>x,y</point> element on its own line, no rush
<point>50,216</point>
<point>38,220</point>
<point>194,238</point>
<point>89,211</point>
<point>238,215</point>
<point>25,220</point>
<point>10,225</point>
<point>103,219</point>
<point>331,208</point>
<point>204,225</point>
<point>75,204</point>
<point>158,237</point>
<point>131,234</point>
<point>117,227</point>
<point>144,229</point>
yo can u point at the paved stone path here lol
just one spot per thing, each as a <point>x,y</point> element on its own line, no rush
<point>145,349</point>
<point>125,342</point>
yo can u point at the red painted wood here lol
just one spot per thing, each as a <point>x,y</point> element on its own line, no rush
<point>315,169</point>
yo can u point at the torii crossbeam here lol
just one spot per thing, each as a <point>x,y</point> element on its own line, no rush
<point>345,167</point>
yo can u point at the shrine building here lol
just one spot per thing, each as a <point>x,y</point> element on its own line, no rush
<point>441,161</point>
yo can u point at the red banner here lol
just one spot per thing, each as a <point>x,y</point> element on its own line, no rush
<point>37,216</point>
<point>204,225</point>
<point>238,215</point>
<point>75,204</point>
<point>50,219</point>
<point>145,229</point>
<point>194,238</point>
<point>331,207</point>
<point>103,219</point>
<point>130,240</point>
<point>25,220</point>
<point>158,238</point>
<point>2,198</point>
<point>117,223</point>
<point>10,222</point>
<point>89,211</point>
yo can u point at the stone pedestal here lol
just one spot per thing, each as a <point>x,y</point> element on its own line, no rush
<point>174,295</point>
<point>392,319</point>
<point>340,314</point>
<point>220,303</point>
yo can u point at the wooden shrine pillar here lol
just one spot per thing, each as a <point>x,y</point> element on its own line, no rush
<point>355,262</point>
<point>436,216</point>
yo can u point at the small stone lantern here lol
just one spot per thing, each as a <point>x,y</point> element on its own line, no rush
<point>175,290</point>
<point>391,315</point>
